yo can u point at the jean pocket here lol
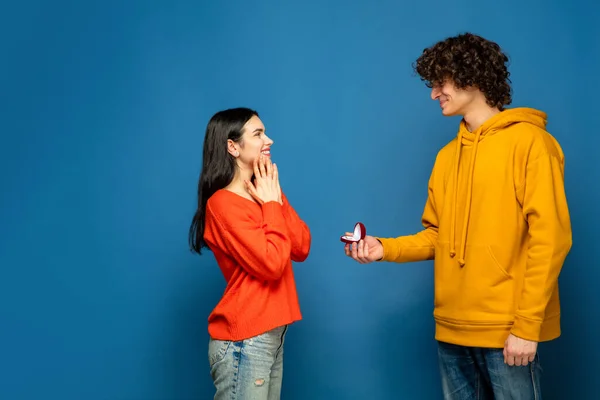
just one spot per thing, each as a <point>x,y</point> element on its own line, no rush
<point>217,349</point>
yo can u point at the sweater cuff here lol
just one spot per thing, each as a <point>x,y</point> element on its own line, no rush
<point>273,212</point>
<point>390,250</point>
<point>527,329</point>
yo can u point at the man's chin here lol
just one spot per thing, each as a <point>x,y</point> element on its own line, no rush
<point>448,113</point>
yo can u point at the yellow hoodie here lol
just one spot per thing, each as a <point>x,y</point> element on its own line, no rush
<point>498,227</point>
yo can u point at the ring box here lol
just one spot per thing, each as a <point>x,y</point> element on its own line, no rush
<point>359,234</point>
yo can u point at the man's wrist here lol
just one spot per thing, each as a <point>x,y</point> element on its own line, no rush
<point>526,329</point>
<point>382,251</point>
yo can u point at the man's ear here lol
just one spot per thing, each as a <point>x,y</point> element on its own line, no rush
<point>232,148</point>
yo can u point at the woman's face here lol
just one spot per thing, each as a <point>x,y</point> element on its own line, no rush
<point>253,144</point>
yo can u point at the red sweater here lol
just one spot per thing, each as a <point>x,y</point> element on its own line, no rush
<point>254,246</point>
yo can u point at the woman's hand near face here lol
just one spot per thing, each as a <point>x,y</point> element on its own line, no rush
<point>266,182</point>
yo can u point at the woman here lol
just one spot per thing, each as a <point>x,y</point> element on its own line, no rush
<point>254,233</point>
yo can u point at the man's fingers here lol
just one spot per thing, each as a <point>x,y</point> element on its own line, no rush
<point>354,251</point>
<point>358,251</point>
<point>528,359</point>
<point>347,249</point>
<point>518,361</point>
<point>365,252</point>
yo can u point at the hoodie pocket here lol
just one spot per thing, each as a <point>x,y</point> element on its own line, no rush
<point>497,263</point>
<point>480,291</point>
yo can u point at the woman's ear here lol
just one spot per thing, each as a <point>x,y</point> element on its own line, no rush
<point>232,148</point>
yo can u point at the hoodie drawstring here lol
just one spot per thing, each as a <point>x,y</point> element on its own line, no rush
<point>494,124</point>
<point>463,241</point>
<point>455,193</point>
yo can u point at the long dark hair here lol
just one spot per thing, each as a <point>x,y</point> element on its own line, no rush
<point>218,166</point>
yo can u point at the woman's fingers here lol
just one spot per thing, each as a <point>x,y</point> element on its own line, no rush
<point>266,184</point>
<point>276,180</point>
<point>252,190</point>
<point>261,165</point>
<point>256,169</point>
<point>269,167</point>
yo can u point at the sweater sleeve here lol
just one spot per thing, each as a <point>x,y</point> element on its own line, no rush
<point>263,250</point>
<point>419,246</point>
<point>545,208</point>
<point>298,231</point>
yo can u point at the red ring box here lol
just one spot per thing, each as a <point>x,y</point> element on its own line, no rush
<point>359,234</point>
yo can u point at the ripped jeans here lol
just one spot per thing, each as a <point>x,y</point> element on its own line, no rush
<point>250,369</point>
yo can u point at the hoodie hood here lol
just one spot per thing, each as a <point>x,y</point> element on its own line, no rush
<point>501,121</point>
<point>492,126</point>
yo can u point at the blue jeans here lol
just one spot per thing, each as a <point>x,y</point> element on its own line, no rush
<point>472,373</point>
<point>250,369</point>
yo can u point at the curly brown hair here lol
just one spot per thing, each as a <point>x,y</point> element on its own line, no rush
<point>468,60</point>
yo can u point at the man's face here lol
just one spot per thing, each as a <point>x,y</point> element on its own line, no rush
<point>453,101</point>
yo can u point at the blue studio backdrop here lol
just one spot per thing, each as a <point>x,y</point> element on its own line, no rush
<point>103,111</point>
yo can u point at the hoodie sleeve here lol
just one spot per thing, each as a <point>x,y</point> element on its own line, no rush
<point>545,208</point>
<point>419,246</point>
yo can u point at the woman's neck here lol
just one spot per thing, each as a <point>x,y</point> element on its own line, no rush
<point>237,184</point>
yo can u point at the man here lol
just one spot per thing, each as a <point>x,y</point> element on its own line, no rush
<point>496,223</point>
